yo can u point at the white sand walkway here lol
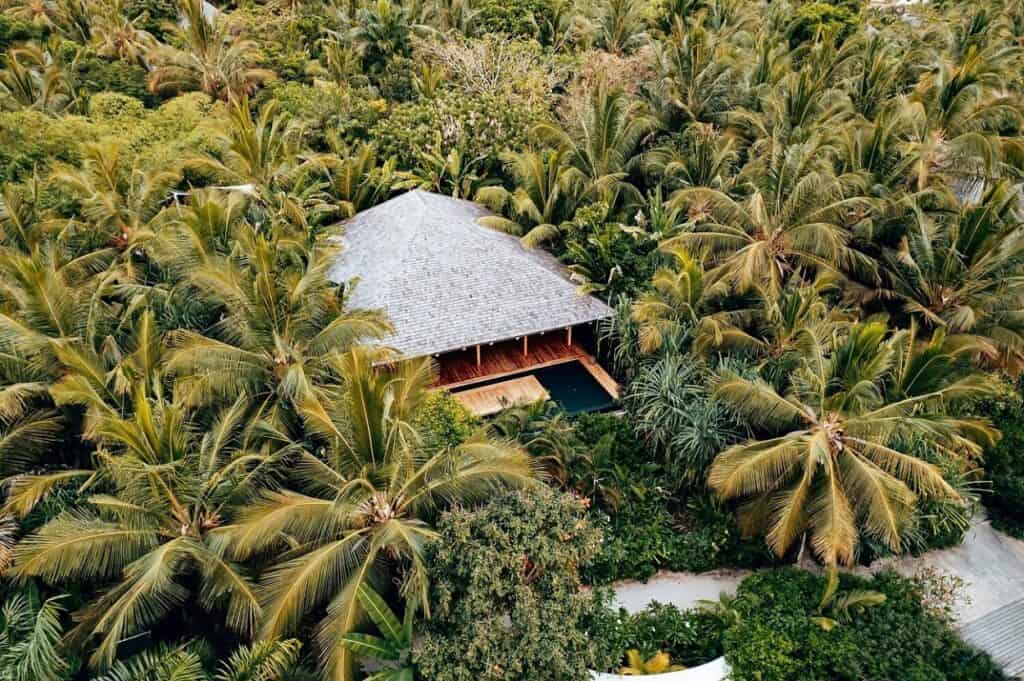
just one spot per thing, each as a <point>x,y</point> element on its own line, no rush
<point>681,589</point>
<point>990,563</point>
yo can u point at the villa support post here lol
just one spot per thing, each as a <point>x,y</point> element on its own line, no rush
<point>568,336</point>
<point>478,355</point>
<point>526,346</point>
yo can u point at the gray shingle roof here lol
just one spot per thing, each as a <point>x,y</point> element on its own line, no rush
<point>447,282</point>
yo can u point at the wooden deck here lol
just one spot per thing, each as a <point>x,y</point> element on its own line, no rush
<point>504,359</point>
<point>494,397</point>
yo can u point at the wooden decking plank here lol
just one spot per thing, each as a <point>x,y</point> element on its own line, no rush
<point>492,398</point>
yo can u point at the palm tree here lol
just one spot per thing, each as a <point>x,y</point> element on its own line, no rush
<point>675,302</point>
<point>544,431</point>
<point>30,426</point>
<point>73,19</point>
<point>59,337</point>
<point>262,156</point>
<point>30,638</point>
<point>546,195</point>
<point>185,662</point>
<point>619,26</point>
<point>833,459</point>
<point>960,269</point>
<point>768,63</point>
<point>33,79</point>
<point>458,16</point>
<point>697,71</point>
<point>957,115</point>
<point>797,109</point>
<point>876,154</point>
<point>24,224</point>
<point>876,78</point>
<point>210,59</point>
<point>39,13</point>
<point>356,178</point>
<point>197,234</point>
<point>448,172</point>
<point>775,327</point>
<point>171,481</point>
<point>117,37</point>
<point>282,321</point>
<point>120,208</point>
<point>262,150</point>
<point>380,30</point>
<point>701,157</point>
<point>367,501</point>
<point>603,142</point>
<point>795,220</point>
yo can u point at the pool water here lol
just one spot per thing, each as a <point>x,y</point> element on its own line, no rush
<point>573,388</point>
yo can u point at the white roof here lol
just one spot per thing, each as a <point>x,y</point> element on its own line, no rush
<point>447,282</point>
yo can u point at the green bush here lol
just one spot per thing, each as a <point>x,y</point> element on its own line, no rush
<point>520,18</point>
<point>690,637</point>
<point>507,599</point>
<point>285,39</point>
<point>482,126</point>
<point>760,652</point>
<point>1004,465</point>
<point>182,127</point>
<point>15,31</point>
<point>153,139</point>
<point>152,15</point>
<point>776,638</point>
<point>643,537</point>
<point>328,109</point>
<point>839,18</point>
<point>110,106</point>
<point>648,529</point>
<point>31,139</point>
<point>613,261</point>
<point>444,422</point>
<point>93,74</point>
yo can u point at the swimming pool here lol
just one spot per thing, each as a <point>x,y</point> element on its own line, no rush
<point>573,388</point>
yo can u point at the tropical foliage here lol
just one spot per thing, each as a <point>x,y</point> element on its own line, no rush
<point>805,215</point>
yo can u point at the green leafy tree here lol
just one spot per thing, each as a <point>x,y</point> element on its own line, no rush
<point>545,196</point>
<point>268,660</point>
<point>793,221</point>
<point>507,593</point>
<point>959,271</point>
<point>283,324</point>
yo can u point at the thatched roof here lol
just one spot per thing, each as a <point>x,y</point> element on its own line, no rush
<point>447,282</point>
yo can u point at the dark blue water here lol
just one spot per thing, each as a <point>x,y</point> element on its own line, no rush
<point>573,388</point>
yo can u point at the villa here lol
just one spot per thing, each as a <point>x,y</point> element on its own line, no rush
<point>504,323</point>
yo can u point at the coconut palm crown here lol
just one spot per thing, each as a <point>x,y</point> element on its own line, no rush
<point>835,455</point>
